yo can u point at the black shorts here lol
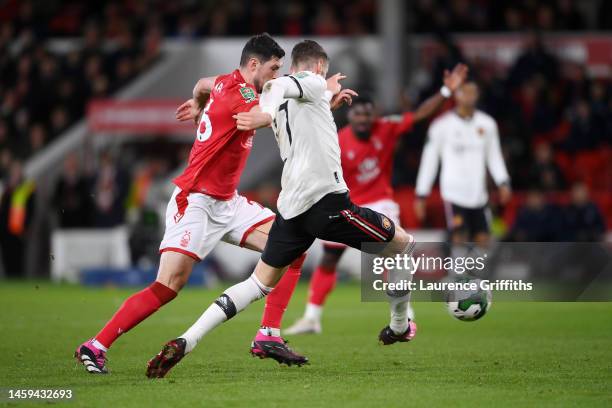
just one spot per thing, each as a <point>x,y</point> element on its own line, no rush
<point>333,218</point>
<point>470,221</point>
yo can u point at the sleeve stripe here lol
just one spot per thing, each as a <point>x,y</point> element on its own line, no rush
<point>298,85</point>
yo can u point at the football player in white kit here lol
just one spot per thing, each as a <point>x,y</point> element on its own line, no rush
<point>466,142</point>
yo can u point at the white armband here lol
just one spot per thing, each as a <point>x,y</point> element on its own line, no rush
<point>446,92</point>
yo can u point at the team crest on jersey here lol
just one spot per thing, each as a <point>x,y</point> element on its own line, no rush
<point>386,223</point>
<point>481,132</point>
<point>185,239</point>
<point>457,221</point>
<point>248,94</point>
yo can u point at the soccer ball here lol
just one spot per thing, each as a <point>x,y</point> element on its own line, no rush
<point>468,305</point>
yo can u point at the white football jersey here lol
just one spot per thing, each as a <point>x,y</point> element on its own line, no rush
<point>307,138</point>
<point>467,148</point>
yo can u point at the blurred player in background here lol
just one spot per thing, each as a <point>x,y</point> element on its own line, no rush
<point>466,141</point>
<point>205,207</point>
<point>368,145</point>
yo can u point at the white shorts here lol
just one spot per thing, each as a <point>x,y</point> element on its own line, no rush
<point>195,223</point>
<point>386,207</point>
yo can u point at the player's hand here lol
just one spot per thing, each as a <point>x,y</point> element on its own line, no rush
<point>419,209</point>
<point>252,120</point>
<point>188,111</point>
<point>333,83</point>
<point>344,96</point>
<point>505,194</point>
<point>453,79</point>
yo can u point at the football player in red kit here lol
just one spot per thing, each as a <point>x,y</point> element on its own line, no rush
<point>367,145</point>
<point>205,207</point>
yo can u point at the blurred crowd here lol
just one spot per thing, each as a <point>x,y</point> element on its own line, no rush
<point>555,120</point>
<point>508,15</point>
<point>42,92</point>
<point>197,18</point>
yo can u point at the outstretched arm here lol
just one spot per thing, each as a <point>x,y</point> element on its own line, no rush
<point>452,81</point>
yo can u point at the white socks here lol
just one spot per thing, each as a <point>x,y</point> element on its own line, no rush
<point>313,312</point>
<point>270,331</point>
<point>232,301</point>
<point>399,314</point>
<point>399,301</point>
<point>99,345</point>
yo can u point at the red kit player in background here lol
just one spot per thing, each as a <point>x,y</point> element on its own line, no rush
<point>205,207</point>
<point>367,145</point>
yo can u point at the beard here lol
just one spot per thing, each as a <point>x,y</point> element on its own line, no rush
<point>362,134</point>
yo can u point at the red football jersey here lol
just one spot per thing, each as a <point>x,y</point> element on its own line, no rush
<point>367,164</point>
<point>220,151</point>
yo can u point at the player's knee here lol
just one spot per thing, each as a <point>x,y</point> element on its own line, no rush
<point>400,243</point>
<point>175,281</point>
<point>329,260</point>
<point>174,275</point>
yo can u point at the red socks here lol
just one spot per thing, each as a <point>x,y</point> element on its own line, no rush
<point>321,284</point>
<point>278,299</point>
<point>134,310</point>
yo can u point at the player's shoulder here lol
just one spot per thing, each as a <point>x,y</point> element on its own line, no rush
<point>233,85</point>
<point>345,133</point>
<point>484,118</point>
<point>308,77</point>
<point>303,74</point>
<point>443,120</point>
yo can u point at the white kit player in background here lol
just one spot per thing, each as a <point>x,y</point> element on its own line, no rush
<point>466,142</point>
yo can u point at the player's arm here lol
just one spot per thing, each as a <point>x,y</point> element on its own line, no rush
<point>428,169</point>
<point>497,166</point>
<point>273,94</point>
<point>452,81</point>
<point>192,108</point>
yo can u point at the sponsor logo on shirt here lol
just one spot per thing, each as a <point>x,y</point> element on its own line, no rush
<point>248,94</point>
<point>368,170</point>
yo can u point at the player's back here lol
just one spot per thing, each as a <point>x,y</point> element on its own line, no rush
<point>308,142</point>
<point>220,151</point>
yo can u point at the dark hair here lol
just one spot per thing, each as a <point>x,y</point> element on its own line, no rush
<point>307,51</point>
<point>262,47</point>
<point>363,99</point>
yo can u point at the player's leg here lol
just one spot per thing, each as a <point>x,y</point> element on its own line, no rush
<point>179,252</point>
<point>402,327</point>
<point>356,226</point>
<point>234,299</point>
<point>322,282</point>
<point>251,230</point>
<point>480,226</point>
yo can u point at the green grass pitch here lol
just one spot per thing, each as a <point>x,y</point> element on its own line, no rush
<point>520,354</point>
